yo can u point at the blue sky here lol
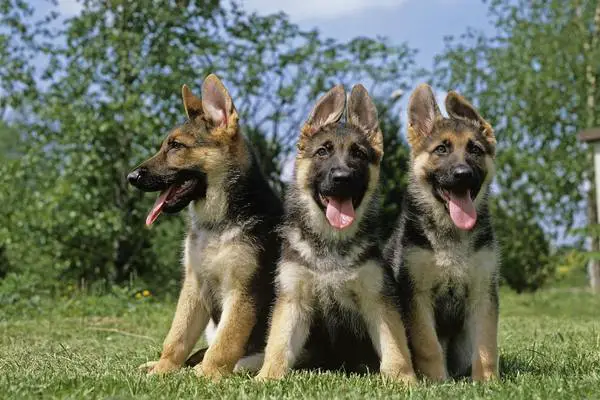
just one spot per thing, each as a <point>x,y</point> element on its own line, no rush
<point>421,23</point>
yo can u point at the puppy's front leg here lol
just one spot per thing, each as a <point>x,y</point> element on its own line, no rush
<point>389,337</point>
<point>428,354</point>
<point>384,324</point>
<point>485,351</point>
<point>191,317</point>
<point>291,320</point>
<point>237,321</point>
<point>290,326</point>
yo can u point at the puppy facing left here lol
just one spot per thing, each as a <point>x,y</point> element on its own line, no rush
<point>232,246</point>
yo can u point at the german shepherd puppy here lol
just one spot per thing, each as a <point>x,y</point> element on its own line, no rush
<point>443,251</point>
<point>232,247</point>
<point>330,281</point>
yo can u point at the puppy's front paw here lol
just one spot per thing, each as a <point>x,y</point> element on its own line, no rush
<point>269,374</point>
<point>162,366</point>
<point>484,373</point>
<point>210,371</point>
<point>398,373</point>
<point>432,368</point>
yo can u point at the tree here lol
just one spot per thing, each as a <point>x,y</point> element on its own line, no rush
<point>536,81</point>
<point>111,92</point>
<point>525,262</point>
<point>394,166</point>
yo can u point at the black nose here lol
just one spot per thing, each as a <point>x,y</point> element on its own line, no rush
<point>462,172</point>
<point>340,175</point>
<point>134,176</point>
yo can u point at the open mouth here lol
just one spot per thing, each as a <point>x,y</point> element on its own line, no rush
<point>172,199</point>
<point>339,211</point>
<point>461,208</point>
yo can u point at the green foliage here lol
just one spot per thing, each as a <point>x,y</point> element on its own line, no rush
<point>394,167</point>
<point>108,95</point>
<point>525,261</point>
<point>571,267</point>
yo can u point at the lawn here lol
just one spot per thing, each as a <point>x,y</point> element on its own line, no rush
<point>90,347</point>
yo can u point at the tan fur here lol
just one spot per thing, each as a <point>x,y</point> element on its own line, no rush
<point>427,353</point>
<point>440,269</point>
<point>485,354</point>
<point>237,321</point>
<point>220,266</point>
<point>358,290</point>
<point>453,264</point>
<point>191,317</point>
<point>231,264</point>
<point>455,101</point>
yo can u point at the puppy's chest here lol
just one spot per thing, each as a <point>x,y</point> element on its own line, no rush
<point>337,291</point>
<point>324,258</point>
<point>222,258</point>
<point>454,269</point>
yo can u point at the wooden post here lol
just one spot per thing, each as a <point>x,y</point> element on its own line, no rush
<point>592,136</point>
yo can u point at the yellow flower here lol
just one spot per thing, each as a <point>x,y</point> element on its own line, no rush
<point>146,293</point>
<point>564,270</point>
<point>138,295</point>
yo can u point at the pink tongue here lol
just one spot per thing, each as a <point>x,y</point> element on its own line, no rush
<point>340,213</point>
<point>462,210</point>
<point>158,205</point>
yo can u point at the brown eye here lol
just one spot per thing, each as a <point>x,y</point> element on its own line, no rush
<point>475,150</point>
<point>176,145</point>
<point>441,149</point>
<point>357,152</point>
<point>322,152</point>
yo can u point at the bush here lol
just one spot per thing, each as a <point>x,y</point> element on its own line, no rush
<point>525,260</point>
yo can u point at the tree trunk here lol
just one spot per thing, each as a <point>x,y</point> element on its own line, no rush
<point>594,264</point>
<point>590,50</point>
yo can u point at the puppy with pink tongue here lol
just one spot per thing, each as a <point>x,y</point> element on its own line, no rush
<point>340,212</point>
<point>334,308</point>
<point>443,252</point>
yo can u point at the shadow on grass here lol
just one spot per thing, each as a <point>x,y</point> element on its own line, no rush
<point>535,363</point>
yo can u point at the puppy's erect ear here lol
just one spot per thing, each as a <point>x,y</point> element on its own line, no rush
<point>217,103</point>
<point>191,104</point>
<point>329,109</point>
<point>362,113</point>
<point>459,108</point>
<point>422,113</point>
<point>361,109</point>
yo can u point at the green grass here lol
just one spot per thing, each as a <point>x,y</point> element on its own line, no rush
<point>90,347</point>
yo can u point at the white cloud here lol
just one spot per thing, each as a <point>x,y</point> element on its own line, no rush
<point>69,7</point>
<point>304,9</point>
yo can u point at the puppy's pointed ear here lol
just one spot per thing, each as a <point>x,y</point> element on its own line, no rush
<point>217,103</point>
<point>422,113</point>
<point>459,108</point>
<point>329,109</point>
<point>191,104</point>
<point>361,109</point>
<point>362,113</point>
